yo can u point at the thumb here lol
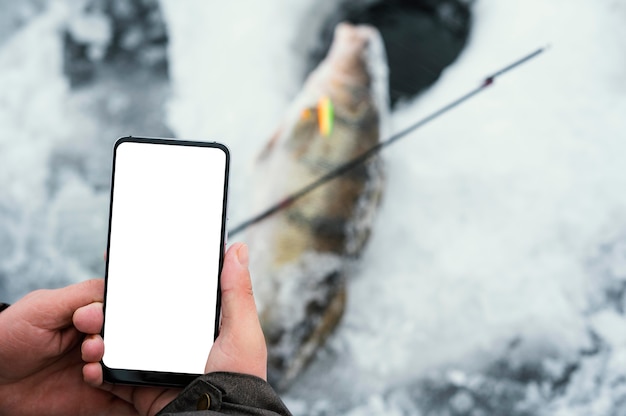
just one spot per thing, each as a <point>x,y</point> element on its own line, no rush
<point>238,306</point>
<point>240,346</point>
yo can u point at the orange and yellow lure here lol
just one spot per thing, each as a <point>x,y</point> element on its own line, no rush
<point>325,116</point>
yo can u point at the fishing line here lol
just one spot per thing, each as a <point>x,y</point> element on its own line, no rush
<point>362,158</point>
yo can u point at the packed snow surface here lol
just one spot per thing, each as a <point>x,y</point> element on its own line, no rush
<point>503,224</point>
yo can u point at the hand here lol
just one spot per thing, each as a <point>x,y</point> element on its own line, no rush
<point>40,358</point>
<point>240,346</point>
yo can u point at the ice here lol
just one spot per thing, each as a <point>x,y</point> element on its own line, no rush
<point>52,222</point>
<point>500,238</point>
<point>32,120</point>
<point>490,217</point>
<point>610,326</point>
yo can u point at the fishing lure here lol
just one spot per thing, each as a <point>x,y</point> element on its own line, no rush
<point>325,115</point>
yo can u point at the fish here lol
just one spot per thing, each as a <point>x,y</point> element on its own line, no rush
<point>300,258</point>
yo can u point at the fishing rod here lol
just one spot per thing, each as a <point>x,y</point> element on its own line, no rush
<point>362,158</point>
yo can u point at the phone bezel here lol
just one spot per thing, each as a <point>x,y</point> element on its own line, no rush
<point>160,378</point>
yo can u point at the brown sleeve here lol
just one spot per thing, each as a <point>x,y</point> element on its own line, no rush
<point>227,394</point>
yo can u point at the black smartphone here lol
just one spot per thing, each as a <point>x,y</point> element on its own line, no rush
<point>167,232</point>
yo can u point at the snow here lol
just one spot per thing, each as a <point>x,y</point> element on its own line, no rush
<point>502,226</point>
<point>52,223</point>
<point>33,123</point>
<point>489,217</point>
<point>92,29</point>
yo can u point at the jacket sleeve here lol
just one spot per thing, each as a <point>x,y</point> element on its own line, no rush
<point>224,393</point>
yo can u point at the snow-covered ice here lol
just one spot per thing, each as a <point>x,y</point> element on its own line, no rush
<point>502,228</point>
<point>491,216</point>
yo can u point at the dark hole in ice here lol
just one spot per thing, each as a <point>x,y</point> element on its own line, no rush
<point>421,37</point>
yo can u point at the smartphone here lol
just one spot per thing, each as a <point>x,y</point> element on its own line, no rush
<point>167,232</point>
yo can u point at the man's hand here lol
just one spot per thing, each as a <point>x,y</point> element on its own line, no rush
<point>40,358</point>
<point>240,346</point>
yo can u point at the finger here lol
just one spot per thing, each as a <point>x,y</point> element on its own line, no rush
<point>92,349</point>
<point>147,400</point>
<point>56,307</point>
<point>89,319</point>
<point>151,400</point>
<point>238,306</point>
<point>240,346</point>
<point>92,374</point>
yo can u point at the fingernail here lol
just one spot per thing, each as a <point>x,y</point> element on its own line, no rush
<point>242,255</point>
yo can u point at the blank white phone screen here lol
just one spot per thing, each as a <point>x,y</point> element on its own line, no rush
<point>163,258</point>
